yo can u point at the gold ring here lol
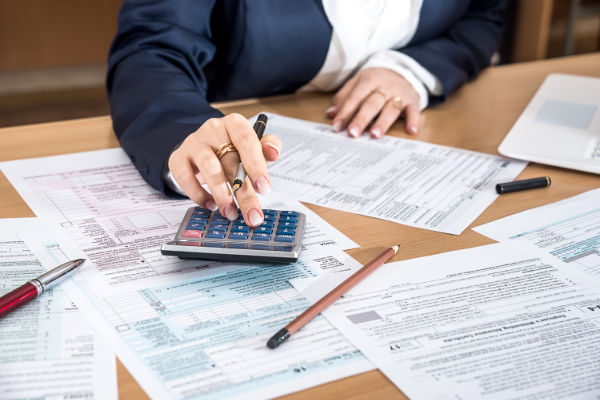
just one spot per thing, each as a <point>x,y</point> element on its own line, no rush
<point>381,92</point>
<point>224,149</point>
<point>396,101</point>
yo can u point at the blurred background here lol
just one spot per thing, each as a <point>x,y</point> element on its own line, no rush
<point>53,53</point>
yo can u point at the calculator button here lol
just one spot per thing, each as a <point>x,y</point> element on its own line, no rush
<point>240,228</point>
<point>289,213</point>
<point>288,218</point>
<point>286,231</point>
<point>291,225</point>
<point>267,211</point>
<point>269,217</point>
<point>215,234</point>
<point>269,224</point>
<point>218,218</point>
<point>196,225</point>
<point>238,235</point>
<point>263,229</point>
<point>200,210</point>
<point>192,233</point>
<point>265,237</point>
<point>218,227</point>
<point>284,238</point>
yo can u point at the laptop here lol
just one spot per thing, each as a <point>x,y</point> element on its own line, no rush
<point>560,126</point>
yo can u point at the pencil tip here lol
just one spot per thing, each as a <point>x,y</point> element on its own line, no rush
<point>79,261</point>
<point>396,248</point>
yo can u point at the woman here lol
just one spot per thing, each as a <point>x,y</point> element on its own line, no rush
<point>386,59</point>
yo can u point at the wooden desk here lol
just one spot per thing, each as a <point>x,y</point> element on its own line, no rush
<point>476,118</point>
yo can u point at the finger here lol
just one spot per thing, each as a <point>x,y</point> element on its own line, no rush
<point>367,112</point>
<point>249,204</point>
<point>183,173</point>
<point>351,103</point>
<point>339,97</point>
<point>250,150</point>
<point>271,147</point>
<point>207,162</point>
<point>388,115</point>
<point>413,117</point>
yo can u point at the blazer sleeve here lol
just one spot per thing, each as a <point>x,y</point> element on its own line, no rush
<point>460,53</point>
<point>155,81</point>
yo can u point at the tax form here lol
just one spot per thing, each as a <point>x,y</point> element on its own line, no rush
<point>184,329</point>
<point>48,352</point>
<point>492,322</point>
<point>568,230</point>
<point>406,181</point>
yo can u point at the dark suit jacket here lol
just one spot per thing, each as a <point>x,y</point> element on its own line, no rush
<point>170,58</point>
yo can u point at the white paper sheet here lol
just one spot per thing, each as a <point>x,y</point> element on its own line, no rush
<point>48,350</point>
<point>568,229</point>
<point>493,322</point>
<point>406,181</point>
<point>184,329</point>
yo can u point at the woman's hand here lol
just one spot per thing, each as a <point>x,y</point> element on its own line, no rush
<point>378,96</point>
<point>195,163</point>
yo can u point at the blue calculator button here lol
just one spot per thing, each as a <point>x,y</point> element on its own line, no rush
<point>238,235</point>
<point>258,246</point>
<point>267,211</point>
<point>289,213</point>
<point>200,210</point>
<point>198,218</point>
<point>196,226</point>
<point>265,237</point>
<point>215,234</point>
<point>268,224</point>
<point>284,238</point>
<point>263,229</point>
<point>286,231</point>
<point>288,218</point>
<point>291,225</point>
<point>218,227</point>
<point>240,228</point>
<point>219,219</point>
<point>239,223</point>
<point>269,217</point>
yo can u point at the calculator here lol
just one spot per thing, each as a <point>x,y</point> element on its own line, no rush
<point>205,234</point>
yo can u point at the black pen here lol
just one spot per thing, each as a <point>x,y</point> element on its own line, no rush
<point>523,185</point>
<point>240,175</point>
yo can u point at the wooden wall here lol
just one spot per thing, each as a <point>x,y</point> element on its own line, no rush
<point>55,33</point>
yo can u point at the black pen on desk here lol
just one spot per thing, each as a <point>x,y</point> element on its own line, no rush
<point>240,175</point>
<point>524,184</point>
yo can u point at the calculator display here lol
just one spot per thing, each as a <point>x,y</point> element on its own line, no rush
<point>205,234</point>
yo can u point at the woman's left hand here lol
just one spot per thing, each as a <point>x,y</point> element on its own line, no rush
<point>378,96</point>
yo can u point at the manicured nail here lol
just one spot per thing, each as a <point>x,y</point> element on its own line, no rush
<point>231,212</point>
<point>211,205</point>
<point>412,130</point>
<point>263,186</point>
<point>271,145</point>
<point>376,133</point>
<point>337,126</point>
<point>255,217</point>
<point>353,131</point>
<point>330,110</point>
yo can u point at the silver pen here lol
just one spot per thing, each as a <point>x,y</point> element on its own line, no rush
<point>35,287</point>
<point>240,175</point>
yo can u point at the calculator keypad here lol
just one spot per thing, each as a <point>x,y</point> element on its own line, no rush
<point>278,227</point>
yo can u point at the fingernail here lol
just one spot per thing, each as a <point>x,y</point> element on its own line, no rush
<point>330,110</point>
<point>271,145</point>
<point>376,133</point>
<point>412,130</point>
<point>337,126</point>
<point>211,205</point>
<point>231,212</point>
<point>263,186</point>
<point>353,131</point>
<point>255,217</point>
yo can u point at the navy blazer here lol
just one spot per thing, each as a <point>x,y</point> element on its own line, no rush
<point>171,57</point>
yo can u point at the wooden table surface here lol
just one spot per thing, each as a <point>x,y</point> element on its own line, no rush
<point>476,117</point>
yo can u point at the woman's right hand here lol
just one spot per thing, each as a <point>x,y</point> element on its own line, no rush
<point>195,163</point>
